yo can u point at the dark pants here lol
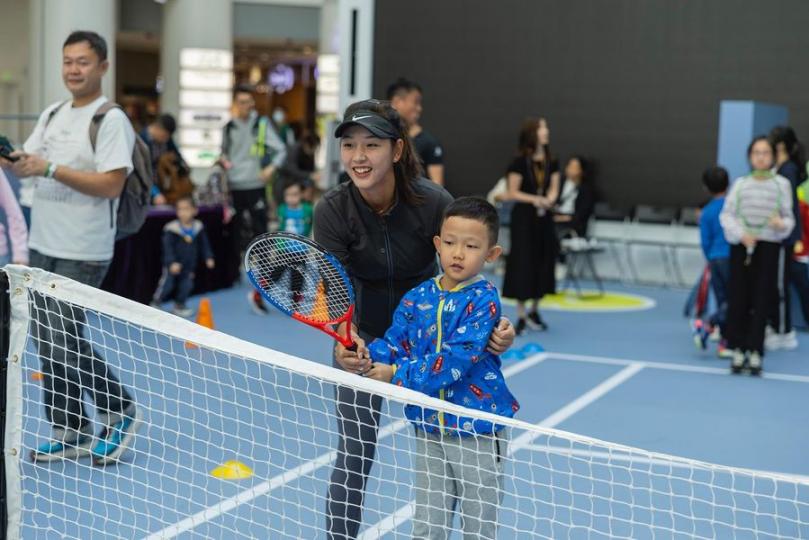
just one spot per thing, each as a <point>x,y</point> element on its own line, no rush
<point>752,294</point>
<point>358,423</point>
<point>70,365</point>
<point>799,276</point>
<point>175,287</point>
<point>720,281</point>
<point>781,316</point>
<point>250,219</point>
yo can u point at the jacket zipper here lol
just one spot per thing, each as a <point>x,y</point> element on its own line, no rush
<point>389,258</point>
<point>438,338</point>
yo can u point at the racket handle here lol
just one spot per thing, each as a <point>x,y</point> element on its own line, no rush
<point>750,250</point>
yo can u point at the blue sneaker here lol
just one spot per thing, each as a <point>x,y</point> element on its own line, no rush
<point>115,439</point>
<point>56,449</point>
<point>701,334</point>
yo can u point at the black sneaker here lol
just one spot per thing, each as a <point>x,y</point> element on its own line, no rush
<point>520,328</point>
<point>535,322</point>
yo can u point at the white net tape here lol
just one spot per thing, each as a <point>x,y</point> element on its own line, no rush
<point>227,399</point>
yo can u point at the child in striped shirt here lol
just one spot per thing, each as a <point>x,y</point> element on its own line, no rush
<point>756,218</point>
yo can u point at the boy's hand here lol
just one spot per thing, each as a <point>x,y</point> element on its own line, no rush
<point>380,372</point>
<point>502,337</point>
<point>210,263</point>
<point>777,223</point>
<point>175,268</point>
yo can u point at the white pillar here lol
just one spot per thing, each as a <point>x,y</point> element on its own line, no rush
<point>197,24</point>
<point>51,21</point>
<point>356,27</point>
<point>204,24</point>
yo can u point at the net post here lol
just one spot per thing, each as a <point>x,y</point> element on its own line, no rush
<point>5,336</point>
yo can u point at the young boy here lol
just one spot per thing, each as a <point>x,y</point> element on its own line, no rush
<point>717,252</point>
<point>184,242</point>
<point>295,214</point>
<point>437,345</point>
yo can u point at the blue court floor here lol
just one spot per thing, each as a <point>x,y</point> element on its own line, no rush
<point>633,378</point>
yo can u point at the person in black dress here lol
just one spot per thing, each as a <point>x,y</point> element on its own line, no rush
<point>533,184</point>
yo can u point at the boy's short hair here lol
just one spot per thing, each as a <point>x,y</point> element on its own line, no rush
<point>715,179</point>
<point>478,209</point>
<point>167,122</point>
<point>292,182</point>
<point>97,43</point>
<point>189,198</point>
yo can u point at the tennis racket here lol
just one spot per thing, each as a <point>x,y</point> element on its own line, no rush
<point>755,213</point>
<point>302,280</point>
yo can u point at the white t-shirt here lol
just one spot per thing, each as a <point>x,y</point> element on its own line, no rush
<point>65,223</point>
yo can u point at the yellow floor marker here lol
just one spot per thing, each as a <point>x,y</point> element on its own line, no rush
<point>232,470</point>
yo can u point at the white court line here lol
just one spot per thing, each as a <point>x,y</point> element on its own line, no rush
<point>403,514</point>
<point>670,366</point>
<point>226,505</point>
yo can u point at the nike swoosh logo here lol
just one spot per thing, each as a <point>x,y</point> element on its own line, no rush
<point>354,119</point>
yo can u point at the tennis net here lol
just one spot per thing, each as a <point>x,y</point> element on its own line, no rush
<point>265,423</point>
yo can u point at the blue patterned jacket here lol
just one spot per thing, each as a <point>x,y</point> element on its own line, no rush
<point>438,344</point>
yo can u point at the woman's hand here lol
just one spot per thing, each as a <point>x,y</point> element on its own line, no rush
<point>353,361</point>
<point>502,337</point>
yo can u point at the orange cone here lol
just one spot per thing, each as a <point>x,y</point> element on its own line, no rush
<point>320,309</point>
<point>204,318</point>
<point>37,376</point>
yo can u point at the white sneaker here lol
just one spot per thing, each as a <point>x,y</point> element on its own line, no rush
<point>789,341</point>
<point>754,362</point>
<point>772,340</point>
<point>737,361</point>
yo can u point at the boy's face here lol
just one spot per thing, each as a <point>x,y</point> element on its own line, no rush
<point>464,247</point>
<point>186,211</point>
<point>292,196</point>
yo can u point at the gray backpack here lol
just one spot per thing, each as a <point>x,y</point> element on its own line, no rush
<point>136,195</point>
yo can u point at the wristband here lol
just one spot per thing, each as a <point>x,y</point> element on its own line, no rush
<point>50,170</point>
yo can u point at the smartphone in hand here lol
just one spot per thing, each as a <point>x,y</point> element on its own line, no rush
<point>6,149</point>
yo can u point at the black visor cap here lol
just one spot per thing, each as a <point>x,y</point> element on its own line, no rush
<point>378,125</point>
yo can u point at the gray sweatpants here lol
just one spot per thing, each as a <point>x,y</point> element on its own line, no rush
<point>450,470</point>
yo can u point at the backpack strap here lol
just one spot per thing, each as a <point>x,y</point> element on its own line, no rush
<point>98,116</point>
<point>53,112</point>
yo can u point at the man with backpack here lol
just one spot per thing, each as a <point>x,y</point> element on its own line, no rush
<point>251,153</point>
<point>86,161</point>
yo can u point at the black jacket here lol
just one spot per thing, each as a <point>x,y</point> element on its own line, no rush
<point>385,256</point>
<point>186,250</point>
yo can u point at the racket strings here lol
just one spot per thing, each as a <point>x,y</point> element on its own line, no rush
<point>299,278</point>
